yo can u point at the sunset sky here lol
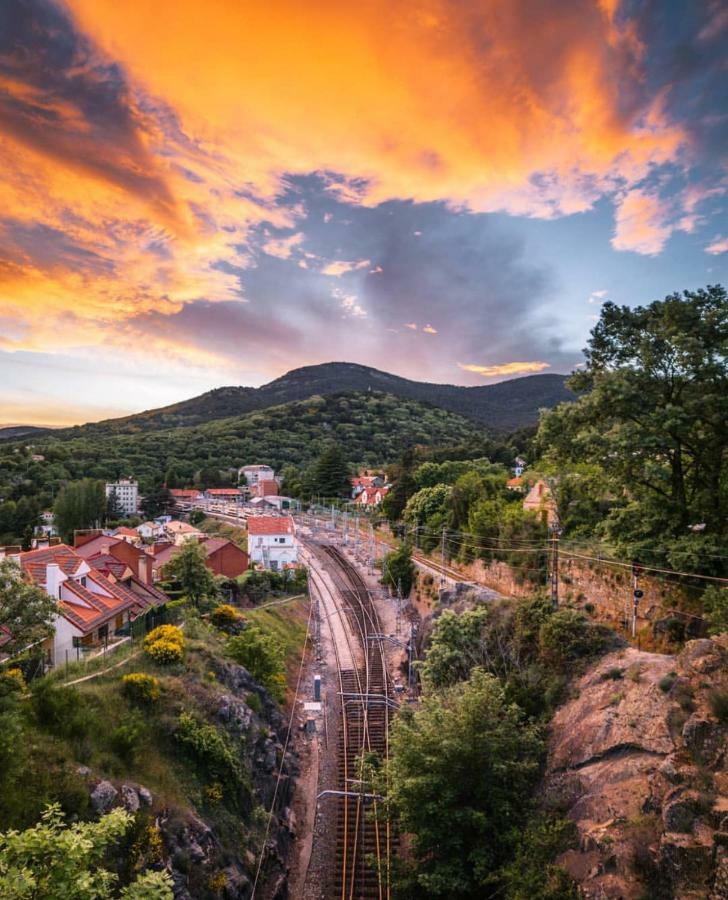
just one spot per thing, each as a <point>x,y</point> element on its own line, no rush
<point>195,194</point>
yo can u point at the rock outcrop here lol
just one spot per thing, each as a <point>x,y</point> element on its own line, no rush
<point>638,759</point>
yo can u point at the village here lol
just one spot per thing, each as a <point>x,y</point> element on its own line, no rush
<point>109,578</point>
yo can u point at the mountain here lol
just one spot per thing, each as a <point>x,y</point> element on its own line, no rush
<point>13,432</point>
<point>500,407</point>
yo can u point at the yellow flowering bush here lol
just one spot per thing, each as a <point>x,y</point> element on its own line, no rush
<point>165,652</point>
<point>165,644</point>
<point>171,633</point>
<point>141,688</point>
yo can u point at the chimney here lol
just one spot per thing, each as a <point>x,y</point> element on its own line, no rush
<point>144,562</point>
<point>53,580</point>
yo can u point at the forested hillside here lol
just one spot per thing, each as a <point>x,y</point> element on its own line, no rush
<point>501,407</point>
<point>372,428</point>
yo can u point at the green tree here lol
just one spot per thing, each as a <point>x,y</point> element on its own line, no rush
<point>462,768</point>
<point>79,505</point>
<point>404,486</point>
<point>330,475</point>
<point>189,569</point>
<point>114,512</point>
<point>157,502</point>
<point>398,570</point>
<point>54,860</point>
<point>428,503</point>
<point>27,612</point>
<point>653,415</point>
<point>262,656</point>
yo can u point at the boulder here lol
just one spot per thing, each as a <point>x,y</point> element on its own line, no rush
<point>145,795</point>
<point>679,813</point>
<point>685,860</point>
<point>129,798</point>
<point>103,797</point>
<point>704,738</point>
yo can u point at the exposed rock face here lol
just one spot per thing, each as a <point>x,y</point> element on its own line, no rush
<point>103,797</point>
<point>638,760</point>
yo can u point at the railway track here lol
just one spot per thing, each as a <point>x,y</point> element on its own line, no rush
<point>364,837</point>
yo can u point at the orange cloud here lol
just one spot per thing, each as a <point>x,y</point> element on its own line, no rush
<point>216,102</point>
<point>511,368</point>
<point>426,109</point>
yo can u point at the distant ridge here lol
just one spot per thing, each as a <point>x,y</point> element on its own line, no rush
<point>12,432</point>
<point>500,407</point>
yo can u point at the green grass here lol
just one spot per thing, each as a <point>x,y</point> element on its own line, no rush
<point>287,624</point>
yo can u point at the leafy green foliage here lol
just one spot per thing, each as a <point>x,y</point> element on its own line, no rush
<point>79,505</point>
<point>372,427</point>
<point>531,875</point>
<point>210,748</point>
<point>53,859</point>
<point>652,418</point>
<point>462,768</point>
<point>568,636</point>
<point>27,612</point>
<point>262,656</point>
<point>398,570</point>
<point>330,477</point>
<point>189,569</point>
<point>259,584</point>
<point>715,609</point>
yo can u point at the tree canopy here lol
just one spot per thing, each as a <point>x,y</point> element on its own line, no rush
<point>27,612</point>
<point>53,859</point>
<point>463,766</point>
<point>653,415</point>
<point>189,569</point>
<point>79,505</point>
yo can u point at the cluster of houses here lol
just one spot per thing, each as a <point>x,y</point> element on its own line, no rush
<point>109,578</point>
<point>369,490</point>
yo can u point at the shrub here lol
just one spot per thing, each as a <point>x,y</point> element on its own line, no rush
<point>589,608</point>
<point>262,656</point>
<point>127,739</point>
<point>225,616</point>
<point>141,688</point>
<point>615,674</point>
<point>12,681</point>
<point>165,644</point>
<point>715,609</point>
<point>209,747</point>
<point>60,710</point>
<point>169,632</point>
<point>719,704</point>
<point>165,652</point>
<point>567,636</point>
<point>666,682</point>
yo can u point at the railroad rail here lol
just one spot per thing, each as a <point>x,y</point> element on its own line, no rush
<point>365,839</point>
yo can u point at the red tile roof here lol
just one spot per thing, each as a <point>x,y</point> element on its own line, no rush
<point>180,492</point>
<point>83,607</point>
<point>223,492</point>
<point>268,487</point>
<point>34,562</point>
<point>271,525</point>
<point>130,532</point>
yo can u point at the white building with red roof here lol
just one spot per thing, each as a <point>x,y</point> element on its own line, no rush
<point>371,496</point>
<point>272,541</point>
<point>92,604</point>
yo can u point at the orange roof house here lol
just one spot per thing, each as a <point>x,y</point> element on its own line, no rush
<point>92,606</point>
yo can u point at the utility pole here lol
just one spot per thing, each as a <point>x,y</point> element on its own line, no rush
<point>398,620</point>
<point>356,534</point>
<point>637,595</point>
<point>555,532</point>
<point>442,561</point>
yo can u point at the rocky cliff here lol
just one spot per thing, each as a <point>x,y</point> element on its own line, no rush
<point>638,759</point>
